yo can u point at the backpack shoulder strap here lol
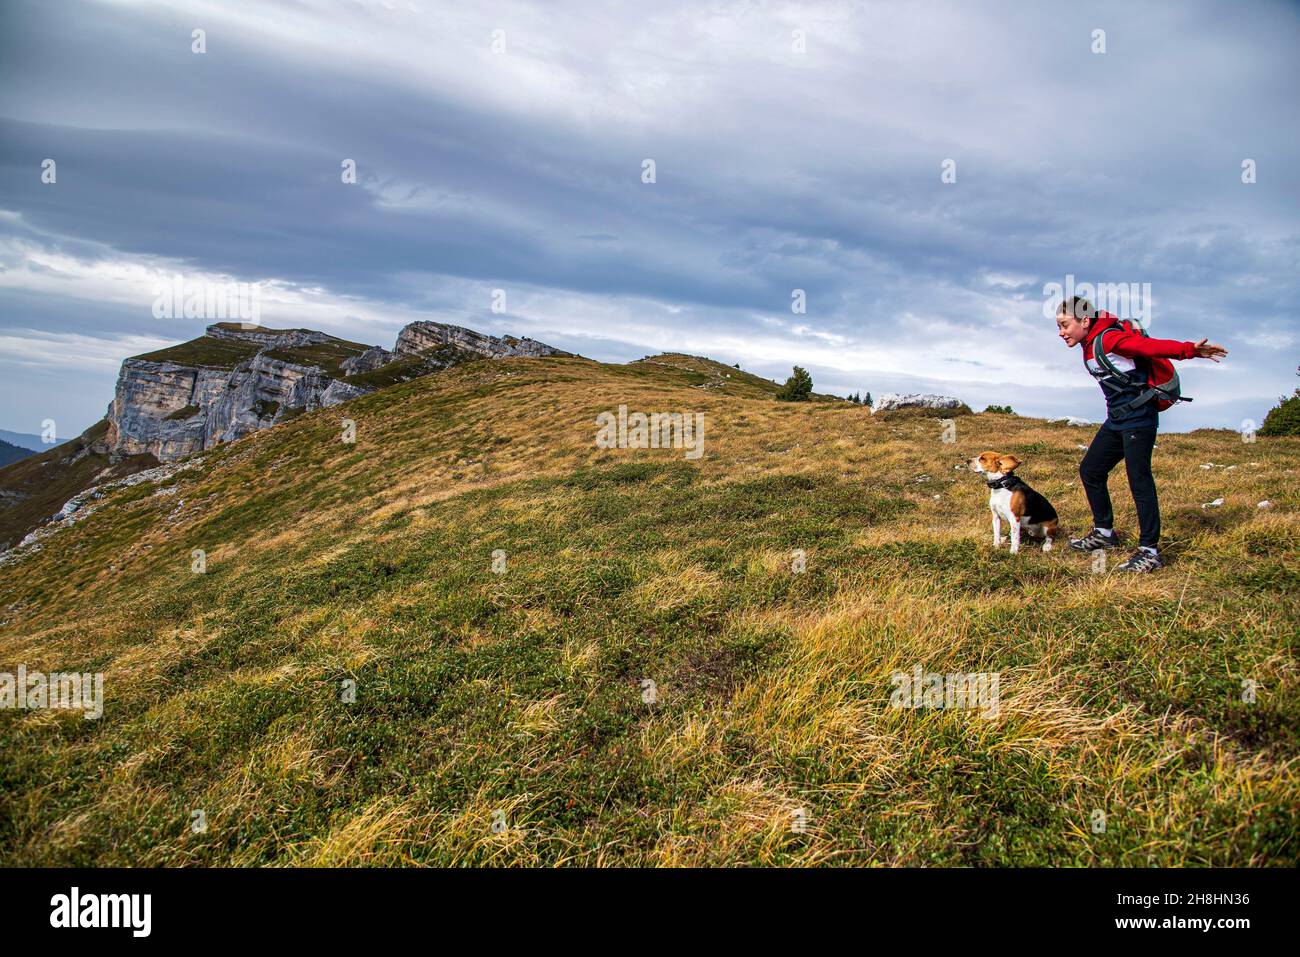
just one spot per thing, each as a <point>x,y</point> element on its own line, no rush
<point>1099,352</point>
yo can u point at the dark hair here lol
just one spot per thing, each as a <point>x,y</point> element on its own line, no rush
<point>1078,307</point>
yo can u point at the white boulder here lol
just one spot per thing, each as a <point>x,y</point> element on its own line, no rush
<point>898,400</point>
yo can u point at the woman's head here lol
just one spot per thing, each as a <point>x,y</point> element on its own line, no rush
<point>1073,317</point>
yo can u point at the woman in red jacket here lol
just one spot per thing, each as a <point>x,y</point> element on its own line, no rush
<point>1129,432</point>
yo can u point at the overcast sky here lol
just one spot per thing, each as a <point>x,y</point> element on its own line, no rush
<point>777,168</point>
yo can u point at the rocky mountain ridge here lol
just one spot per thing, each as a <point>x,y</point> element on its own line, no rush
<point>420,337</point>
<point>235,380</point>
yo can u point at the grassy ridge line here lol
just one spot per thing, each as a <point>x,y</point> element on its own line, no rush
<point>521,693</point>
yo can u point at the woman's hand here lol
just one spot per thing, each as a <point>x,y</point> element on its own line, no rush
<point>1208,350</point>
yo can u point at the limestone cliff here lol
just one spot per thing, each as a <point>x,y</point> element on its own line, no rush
<point>423,336</point>
<point>236,379</point>
<point>222,386</point>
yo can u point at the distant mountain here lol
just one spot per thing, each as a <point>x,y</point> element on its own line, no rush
<point>12,453</point>
<point>25,440</point>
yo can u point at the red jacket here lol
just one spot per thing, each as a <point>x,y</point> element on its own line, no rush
<point>1135,346</point>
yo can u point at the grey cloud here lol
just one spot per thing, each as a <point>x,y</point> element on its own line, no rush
<point>774,173</point>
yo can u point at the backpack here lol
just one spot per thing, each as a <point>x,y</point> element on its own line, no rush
<point>1160,376</point>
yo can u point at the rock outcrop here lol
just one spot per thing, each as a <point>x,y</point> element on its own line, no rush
<point>172,407</point>
<point>83,503</point>
<point>265,338</point>
<point>238,379</point>
<point>897,400</point>
<point>368,361</point>
<point>423,336</point>
<point>37,487</point>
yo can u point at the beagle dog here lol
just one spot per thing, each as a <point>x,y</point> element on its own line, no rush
<point>1011,499</point>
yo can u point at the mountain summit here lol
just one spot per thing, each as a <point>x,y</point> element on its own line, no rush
<point>236,379</point>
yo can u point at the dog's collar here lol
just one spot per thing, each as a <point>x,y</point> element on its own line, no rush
<point>1005,482</point>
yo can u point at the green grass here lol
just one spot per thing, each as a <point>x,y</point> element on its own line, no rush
<point>213,353</point>
<point>205,351</point>
<point>522,692</point>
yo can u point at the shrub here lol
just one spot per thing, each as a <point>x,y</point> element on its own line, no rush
<point>797,388</point>
<point>1284,419</point>
<point>1000,409</point>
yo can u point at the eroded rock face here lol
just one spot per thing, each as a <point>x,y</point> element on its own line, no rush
<point>368,361</point>
<point>192,397</point>
<point>423,336</point>
<point>898,400</point>
<point>174,407</point>
<point>174,410</point>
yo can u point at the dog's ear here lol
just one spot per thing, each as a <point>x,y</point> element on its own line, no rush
<point>1007,463</point>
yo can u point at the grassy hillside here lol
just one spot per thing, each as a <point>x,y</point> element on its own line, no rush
<point>710,375</point>
<point>206,351</point>
<point>12,453</point>
<point>518,699</point>
<point>36,486</point>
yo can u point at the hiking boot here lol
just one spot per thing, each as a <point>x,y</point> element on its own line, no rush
<point>1095,540</point>
<point>1141,561</point>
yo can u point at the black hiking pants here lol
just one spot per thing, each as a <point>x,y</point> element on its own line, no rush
<point>1134,447</point>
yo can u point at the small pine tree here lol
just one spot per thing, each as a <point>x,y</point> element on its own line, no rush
<point>797,388</point>
<point>1001,409</point>
<point>867,400</point>
<point>854,397</point>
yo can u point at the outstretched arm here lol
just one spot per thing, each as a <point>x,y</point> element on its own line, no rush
<point>1134,346</point>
